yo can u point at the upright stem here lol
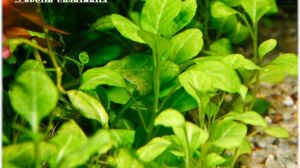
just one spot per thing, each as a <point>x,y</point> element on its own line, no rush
<point>187,150</point>
<point>257,61</point>
<point>36,149</point>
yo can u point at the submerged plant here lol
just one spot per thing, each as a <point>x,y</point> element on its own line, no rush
<point>136,107</point>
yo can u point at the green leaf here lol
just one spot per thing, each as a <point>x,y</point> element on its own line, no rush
<point>232,3</point>
<point>243,92</point>
<point>153,149</point>
<point>8,165</point>
<point>118,95</point>
<point>102,55</point>
<point>122,137</point>
<point>127,159</point>
<point>157,15</point>
<point>221,47</point>
<point>284,64</point>
<point>214,159</point>
<point>239,34</point>
<point>186,14</point>
<point>68,137</point>
<point>101,76</point>
<point>277,132</point>
<point>126,28</point>
<point>103,23</point>
<point>245,147</point>
<point>257,8</point>
<point>181,101</point>
<point>186,45</point>
<point>196,135</point>
<point>88,106</point>
<point>101,142</point>
<point>170,118</point>
<point>229,134</point>
<point>220,10</point>
<point>266,47</point>
<point>23,155</point>
<point>84,57</point>
<point>224,25</point>
<point>158,44</point>
<point>208,76</point>
<point>33,96</point>
<point>138,70</point>
<point>30,65</point>
<point>238,61</point>
<point>249,117</point>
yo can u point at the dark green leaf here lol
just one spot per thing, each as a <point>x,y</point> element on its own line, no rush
<point>221,47</point>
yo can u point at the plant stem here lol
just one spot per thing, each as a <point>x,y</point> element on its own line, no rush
<point>235,157</point>
<point>257,61</point>
<point>52,54</point>
<point>187,150</point>
<point>156,88</point>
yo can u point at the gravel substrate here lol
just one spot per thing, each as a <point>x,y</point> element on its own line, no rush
<point>270,152</point>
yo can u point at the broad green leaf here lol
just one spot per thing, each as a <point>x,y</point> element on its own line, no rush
<point>181,101</point>
<point>232,3</point>
<point>284,64</point>
<point>30,65</point>
<point>157,15</point>
<point>102,55</point>
<point>153,149</point>
<point>101,76</point>
<point>122,137</point>
<point>186,14</point>
<point>23,155</point>
<point>7,70</point>
<point>238,61</point>
<point>118,95</point>
<point>88,106</point>
<point>257,8</point>
<point>9,165</point>
<point>186,45</point>
<point>239,34</point>
<point>214,159</point>
<point>224,25</point>
<point>221,47</point>
<point>170,118</point>
<point>266,47</point>
<point>138,70</point>
<point>68,137</point>
<point>103,23</point>
<point>158,44</point>
<point>196,135</point>
<point>136,17</point>
<point>249,117</point>
<point>221,10</point>
<point>127,159</point>
<point>277,132</point>
<point>245,147</point>
<point>127,28</point>
<point>229,134</point>
<point>208,76</point>
<point>33,96</point>
<point>101,142</point>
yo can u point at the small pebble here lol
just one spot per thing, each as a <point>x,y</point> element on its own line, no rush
<point>288,101</point>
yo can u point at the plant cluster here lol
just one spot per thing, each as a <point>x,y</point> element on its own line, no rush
<point>180,98</point>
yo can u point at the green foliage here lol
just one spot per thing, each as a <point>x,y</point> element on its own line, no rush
<point>33,96</point>
<point>148,90</point>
